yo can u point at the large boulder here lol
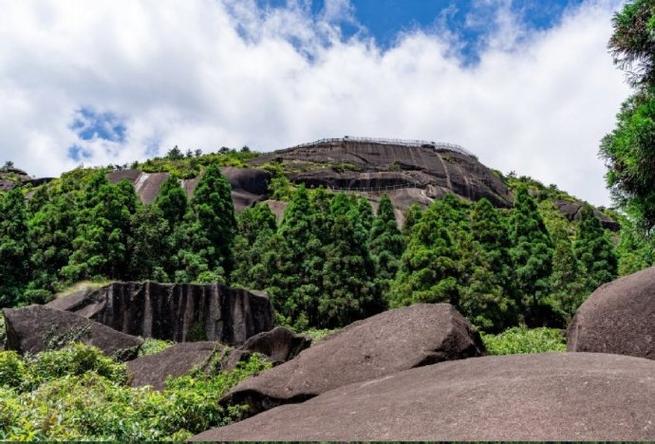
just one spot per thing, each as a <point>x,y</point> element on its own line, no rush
<point>177,312</point>
<point>382,345</point>
<point>176,360</point>
<point>540,397</point>
<point>37,328</point>
<point>279,345</point>
<point>619,317</point>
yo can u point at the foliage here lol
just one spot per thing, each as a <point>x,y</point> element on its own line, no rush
<point>318,334</point>
<point>152,346</point>
<point>80,403</point>
<point>635,250</point>
<point>532,255</point>
<point>595,252</point>
<point>522,340</point>
<point>629,150</point>
<point>386,242</point>
<point>14,248</point>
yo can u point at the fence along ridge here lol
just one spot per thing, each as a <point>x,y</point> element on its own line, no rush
<point>413,143</point>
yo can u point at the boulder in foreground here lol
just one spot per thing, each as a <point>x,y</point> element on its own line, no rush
<point>544,397</point>
<point>37,328</point>
<point>382,345</point>
<point>619,317</point>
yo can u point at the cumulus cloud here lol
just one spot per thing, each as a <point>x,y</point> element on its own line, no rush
<point>207,73</point>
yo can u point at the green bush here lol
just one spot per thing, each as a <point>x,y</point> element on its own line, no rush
<point>152,346</point>
<point>521,340</point>
<point>76,359</point>
<point>13,371</point>
<point>83,404</point>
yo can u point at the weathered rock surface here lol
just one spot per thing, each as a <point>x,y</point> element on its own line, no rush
<point>249,185</point>
<point>619,317</point>
<point>573,211</point>
<point>38,328</point>
<point>279,345</point>
<point>176,360</point>
<point>349,164</point>
<point>382,345</point>
<point>540,397</point>
<point>177,312</point>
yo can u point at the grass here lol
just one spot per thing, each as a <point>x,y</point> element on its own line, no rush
<point>522,340</point>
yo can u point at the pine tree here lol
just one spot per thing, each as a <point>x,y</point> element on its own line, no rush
<point>14,248</point>
<point>567,288</point>
<point>256,226</point>
<point>594,251</point>
<point>172,201</point>
<point>150,244</point>
<point>532,255</point>
<point>486,293</point>
<point>412,217</point>
<point>207,232</point>
<point>386,243</point>
<point>430,267</point>
<point>101,246</point>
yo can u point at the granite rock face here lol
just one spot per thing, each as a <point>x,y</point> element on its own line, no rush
<point>539,397</point>
<point>249,185</point>
<point>382,345</point>
<point>176,312</point>
<point>619,317</point>
<point>38,328</point>
<point>573,211</point>
<point>176,360</point>
<point>378,167</point>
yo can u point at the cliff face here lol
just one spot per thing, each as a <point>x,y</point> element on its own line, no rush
<point>181,313</point>
<point>376,166</point>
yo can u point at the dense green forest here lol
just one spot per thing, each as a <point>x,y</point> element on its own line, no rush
<point>329,261</point>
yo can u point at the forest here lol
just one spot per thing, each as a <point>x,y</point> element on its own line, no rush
<point>329,261</point>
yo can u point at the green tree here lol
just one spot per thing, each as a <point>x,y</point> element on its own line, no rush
<point>532,256</point>
<point>208,231</point>
<point>172,201</point>
<point>386,243</point>
<point>629,151</point>
<point>566,280</point>
<point>14,248</point>
<point>412,216</point>
<point>635,250</point>
<point>486,296</point>
<point>594,251</point>
<point>101,246</point>
<point>256,226</point>
<point>430,268</point>
<point>151,244</point>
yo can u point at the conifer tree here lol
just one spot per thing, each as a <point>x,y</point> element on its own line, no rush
<point>412,216</point>
<point>14,248</point>
<point>256,226</point>
<point>101,247</point>
<point>567,288</point>
<point>172,201</point>
<point>386,243</point>
<point>207,232</point>
<point>430,267</point>
<point>531,253</point>
<point>151,244</point>
<point>594,251</point>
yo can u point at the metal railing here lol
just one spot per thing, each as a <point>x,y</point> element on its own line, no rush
<point>395,142</point>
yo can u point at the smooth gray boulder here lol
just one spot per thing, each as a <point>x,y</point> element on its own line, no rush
<point>279,345</point>
<point>38,328</point>
<point>382,345</point>
<point>619,317</point>
<point>540,397</point>
<point>177,360</point>
<point>176,312</point>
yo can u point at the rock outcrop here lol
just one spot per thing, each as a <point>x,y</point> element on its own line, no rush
<point>249,185</point>
<point>619,317</point>
<point>177,312</point>
<point>37,328</point>
<point>379,166</point>
<point>279,345</point>
<point>572,210</point>
<point>382,345</point>
<point>540,397</point>
<point>176,360</point>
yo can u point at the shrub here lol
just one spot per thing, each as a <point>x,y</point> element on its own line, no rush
<point>13,371</point>
<point>76,359</point>
<point>521,340</point>
<point>152,346</point>
<point>85,400</point>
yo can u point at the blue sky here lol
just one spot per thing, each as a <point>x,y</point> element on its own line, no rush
<point>469,20</point>
<point>526,85</point>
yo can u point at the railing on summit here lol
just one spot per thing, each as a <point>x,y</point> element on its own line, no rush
<point>395,142</point>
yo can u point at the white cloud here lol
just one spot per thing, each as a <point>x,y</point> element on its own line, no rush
<point>208,73</point>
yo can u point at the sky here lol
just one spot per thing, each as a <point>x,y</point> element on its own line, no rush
<point>526,85</point>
